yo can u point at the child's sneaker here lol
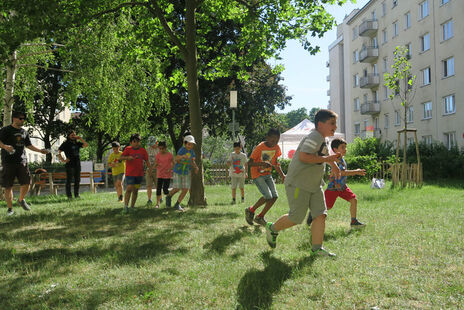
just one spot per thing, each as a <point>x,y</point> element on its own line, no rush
<point>322,252</point>
<point>168,201</point>
<point>24,205</point>
<point>120,198</point>
<point>149,203</point>
<point>9,212</point>
<point>126,210</point>
<point>271,236</point>
<point>243,199</point>
<point>157,206</point>
<point>178,207</point>
<point>233,201</point>
<point>249,216</point>
<point>260,220</point>
<point>355,224</point>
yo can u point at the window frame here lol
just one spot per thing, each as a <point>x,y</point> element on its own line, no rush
<point>427,111</point>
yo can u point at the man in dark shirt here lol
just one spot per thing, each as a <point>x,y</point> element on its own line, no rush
<point>13,140</point>
<point>71,148</point>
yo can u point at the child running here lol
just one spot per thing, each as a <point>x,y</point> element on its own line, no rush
<point>185,159</point>
<point>338,188</point>
<point>118,167</point>
<point>303,184</point>
<point>164,163</point>
<point>262,159</point>
<point>238,166</point>
<point>134,155</point>
<point>150,175</point>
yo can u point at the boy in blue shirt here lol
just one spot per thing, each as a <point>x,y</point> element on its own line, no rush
<point>185,160</point>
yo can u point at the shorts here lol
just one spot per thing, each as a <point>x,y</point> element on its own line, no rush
<point>118,177</point>
<point>181,181</point>
<point>151,178</point>
<point>237,181</point>
<point>299,201</point>
<point>331,196</point>
<point>12,171</point>
<point>266,186</point>
<point>136,181</point>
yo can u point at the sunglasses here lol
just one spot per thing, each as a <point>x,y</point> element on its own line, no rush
<point>21,118</point>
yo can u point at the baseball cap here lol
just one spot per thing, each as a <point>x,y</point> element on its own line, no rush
<point>189,139</point>
<point>151,140</point>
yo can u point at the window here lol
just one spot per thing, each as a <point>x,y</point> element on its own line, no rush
<point>395,29</point>
<point>387,121</point>
<point>357,129</point>
<point>355,33</point>
<point>450,106</point>
<point>427,110</point>
<point>407,20</point>
<point>424,9</point>
<point>448,67</point>
<point>356,80</point>
<point>397,118</point>
<point>450,139</point>
<point>374,15</point>
<point>375,71</point>
<point>444,1</point>
<point>384,36</point>
<point>394,3</point>
<point>365,98</point>
<point>374,42</point>
<point>447,30</point>
<point>425,42</point>
<point>385,91</point>
<point>410,114</point>
<point>375,95</point>
<point>426,76</point>
<point>410,141</point>
<point>427,139</point>
<point>385,64</point>
<point>356,104</point>
<point>409,51</point>
<point>384,8</point>
<point>356,56</point>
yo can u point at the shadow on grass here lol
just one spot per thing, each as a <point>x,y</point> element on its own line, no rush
<point>223,241</point>
<point>257,287</point>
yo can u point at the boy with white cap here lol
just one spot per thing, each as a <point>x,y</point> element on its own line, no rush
<point>150,175</point>
<point>185,160</point>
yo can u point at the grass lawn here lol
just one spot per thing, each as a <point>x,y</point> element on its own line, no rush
<point>85,254</point>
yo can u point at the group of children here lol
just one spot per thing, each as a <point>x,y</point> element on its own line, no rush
<point>303,182</point>
<point>161,168</point>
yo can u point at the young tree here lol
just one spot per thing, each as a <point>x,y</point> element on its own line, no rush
<point>401,83</point>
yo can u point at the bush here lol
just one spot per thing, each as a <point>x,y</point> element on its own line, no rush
<point>368,162</point>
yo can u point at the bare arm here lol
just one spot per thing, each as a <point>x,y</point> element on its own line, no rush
<point>353,172</point>
<point>60,157</point>
<point>84,144</point>
<point>6,147</point>
<point>36,149</point>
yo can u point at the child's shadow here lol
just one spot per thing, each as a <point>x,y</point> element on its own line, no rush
<point>257,287</point>
<point>220,243</point>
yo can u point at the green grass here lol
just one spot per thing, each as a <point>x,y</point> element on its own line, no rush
<point>86,255</point>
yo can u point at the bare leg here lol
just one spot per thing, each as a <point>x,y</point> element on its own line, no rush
<point>23,191</point>
<point>182,195</point>
<point>317,229</point>
<point>353,207</point>
<point>9,197</point>
<point>283,223</point>
<point>158,200</point>
<point>258,204</point>
<point>173,191</point>
<point>149,190</point>
<point>242,191</point>
<point>135,192</point>
<point>234,191</point>
<point>127,196</point>
<point>118,187</point>
<point>269,204</point>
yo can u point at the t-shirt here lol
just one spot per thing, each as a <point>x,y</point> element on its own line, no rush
<point>338,184</point>
<point>72,151</point>
<point>18,139</point>
<point>305,175</point>
<point>120,165</point>
<point>262,153</point>
<point>237,169</point>
<point>134,167</point>
<point>152,154</point>
<point>183,167</point>
<point>164,162</point>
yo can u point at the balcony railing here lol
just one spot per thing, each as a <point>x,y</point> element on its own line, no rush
<point>328,78</point>
<point>368,28</point>
<point>369,81</point>
<point>328,92</point>
<point>369,54</point>
<point>370,108</point>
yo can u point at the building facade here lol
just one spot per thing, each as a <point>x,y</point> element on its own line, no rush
<point>433,33</point>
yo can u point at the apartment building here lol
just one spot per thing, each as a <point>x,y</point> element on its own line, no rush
<point>433,32</point>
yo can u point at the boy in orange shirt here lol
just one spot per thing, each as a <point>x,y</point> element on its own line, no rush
<point>262,159</point>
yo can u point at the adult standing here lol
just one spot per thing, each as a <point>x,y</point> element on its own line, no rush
<point>71,148</point>
<point>13,140</point>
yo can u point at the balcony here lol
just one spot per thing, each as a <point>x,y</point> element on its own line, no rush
<point>368,28</point>
<point>327,78</point>
<point>327,64</point>
<point>369,81</point>
<point>369,54</point>
<point>377,133</point>
<point>328,92</point>
<point>370,108</point>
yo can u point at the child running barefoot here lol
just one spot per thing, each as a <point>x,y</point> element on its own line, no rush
<point>303,184</point>
<point>338,188</point>
<point>262,159</point>
<point>164,163</point>
<point>185,160</point>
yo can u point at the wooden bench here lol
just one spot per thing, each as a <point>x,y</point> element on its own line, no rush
<point>55,180</point>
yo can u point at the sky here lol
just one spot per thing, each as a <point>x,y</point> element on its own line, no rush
<point>305,74</point>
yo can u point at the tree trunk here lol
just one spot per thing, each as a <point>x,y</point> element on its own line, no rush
<point>9,89</point>
<point>197,193</point>
<point>48,145</point>
<point>403,176</point>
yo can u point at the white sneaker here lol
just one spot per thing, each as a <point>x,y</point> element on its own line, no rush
<point>9,212</point>
<point>322,252</point>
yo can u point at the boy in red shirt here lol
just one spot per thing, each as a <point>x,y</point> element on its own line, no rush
<point>262,159</point>
<point>134,155</point>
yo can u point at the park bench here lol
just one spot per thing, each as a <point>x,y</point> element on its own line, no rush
<point>55,180</point>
